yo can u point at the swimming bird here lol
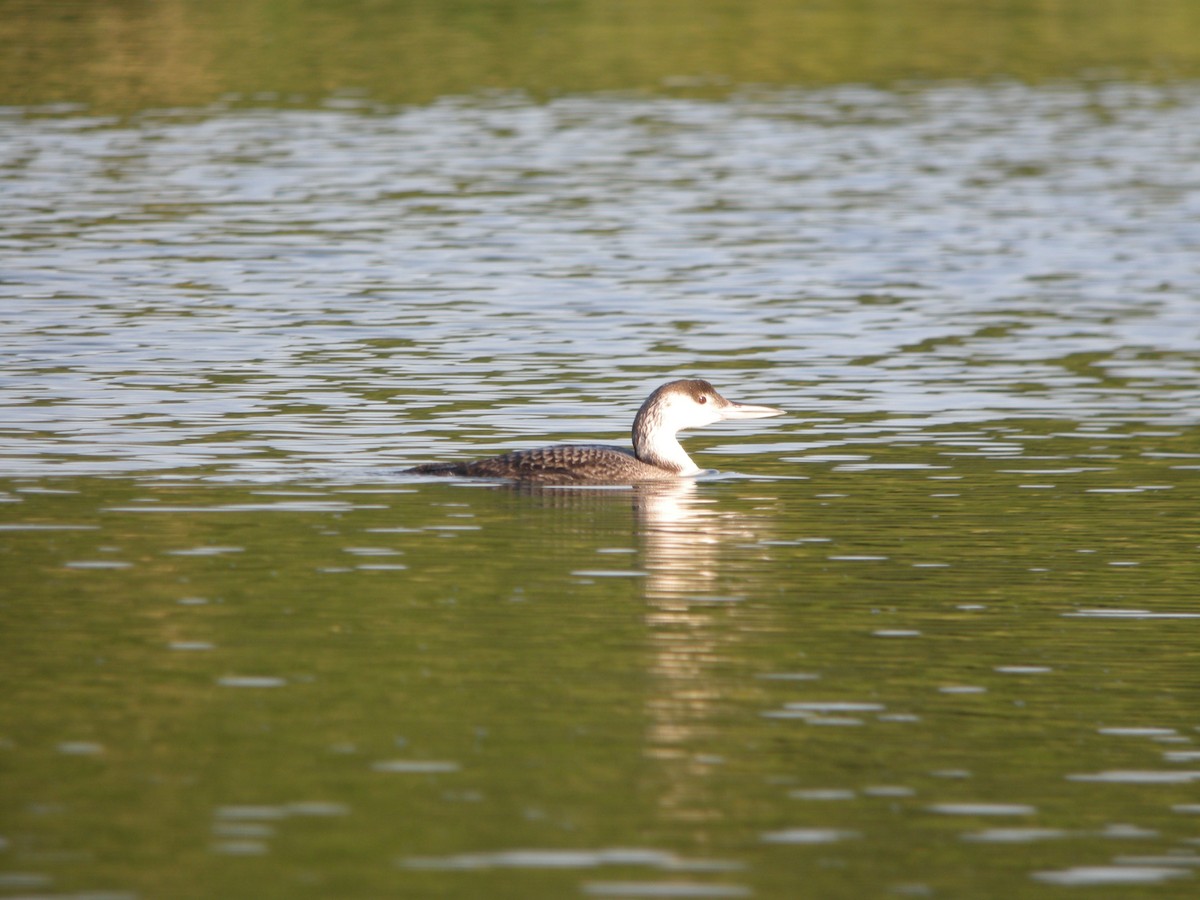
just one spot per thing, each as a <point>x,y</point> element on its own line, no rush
<point>656,455</point>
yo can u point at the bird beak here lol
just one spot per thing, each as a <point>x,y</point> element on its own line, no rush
<point>749,411</point>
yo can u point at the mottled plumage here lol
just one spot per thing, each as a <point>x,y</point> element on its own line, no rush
<point>656,455</point>
<point>560,464</point>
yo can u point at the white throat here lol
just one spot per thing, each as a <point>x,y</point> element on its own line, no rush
<point>663,449</point>
<point>654,441</point>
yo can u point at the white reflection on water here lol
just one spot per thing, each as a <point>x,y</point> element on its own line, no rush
<point>415,766</point>
<point>684,537</point>
<point>251,681</point>
<point>983,809</point>
<point>1138,776</point>
<point>250,290</point>
<point>672,889</point>
<point>1128,614</point>
<point>808,836</point>
<point>1014,835</point>
<point>1114,875</point>
<point>569,859</point>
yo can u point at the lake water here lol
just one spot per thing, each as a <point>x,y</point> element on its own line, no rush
<point>934,633</point>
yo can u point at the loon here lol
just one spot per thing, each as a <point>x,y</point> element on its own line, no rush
<point>656,455</point>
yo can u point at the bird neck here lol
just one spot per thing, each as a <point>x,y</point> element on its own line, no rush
<point>655,443</point>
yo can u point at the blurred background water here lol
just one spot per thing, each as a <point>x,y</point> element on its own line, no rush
<point>934,633</point>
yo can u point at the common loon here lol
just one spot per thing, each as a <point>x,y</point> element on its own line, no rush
<point>656,455</point>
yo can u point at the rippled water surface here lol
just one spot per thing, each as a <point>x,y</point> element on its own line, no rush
<point>934,633</point>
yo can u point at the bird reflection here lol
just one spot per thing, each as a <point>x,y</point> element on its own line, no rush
<point>685,534</point>
<point>690,546</point>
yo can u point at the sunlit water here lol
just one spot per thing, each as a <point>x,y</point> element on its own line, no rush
<point>932,634</point>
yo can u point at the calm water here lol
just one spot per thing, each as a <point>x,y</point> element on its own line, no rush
<point>935,633</point>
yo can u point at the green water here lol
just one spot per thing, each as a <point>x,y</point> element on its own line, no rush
<point>128,56</point>
<point>208,689</point>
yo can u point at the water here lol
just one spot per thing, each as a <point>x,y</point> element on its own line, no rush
<point>932,634</point>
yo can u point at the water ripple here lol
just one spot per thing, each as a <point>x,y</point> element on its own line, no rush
<point>240,291</point>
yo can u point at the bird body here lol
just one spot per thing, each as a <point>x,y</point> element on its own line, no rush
<point>656,455</point>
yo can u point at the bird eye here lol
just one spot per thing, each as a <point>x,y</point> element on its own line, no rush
<point>703,398</point>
